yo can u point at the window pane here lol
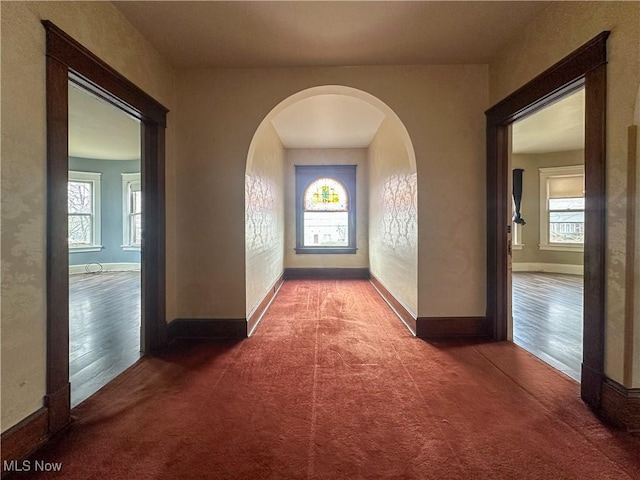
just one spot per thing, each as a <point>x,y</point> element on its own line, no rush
<point>566,227</point>
<point>325,194</point>
<point>326,229</point>
<point>566,203</point>
<point>80,197</point>
<point>80,230</point>
<point>135,229</point>
<point>136,201</point>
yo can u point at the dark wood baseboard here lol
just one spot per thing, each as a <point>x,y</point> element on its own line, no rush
<point>203,328</point>
<point>448,327</point>
<point>620,405</point>
<point>405,315</point>
<point>26,437</point>
<point>293,273</point>
<point>254,318</point>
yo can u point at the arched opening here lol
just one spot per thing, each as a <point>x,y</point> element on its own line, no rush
<point>321,133</point>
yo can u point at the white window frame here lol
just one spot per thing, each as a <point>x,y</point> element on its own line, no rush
<point>127,180</point>
<point>95,179</point>
<point>545,175</point>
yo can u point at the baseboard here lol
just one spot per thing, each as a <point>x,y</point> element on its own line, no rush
<point>204,328</point>
<point>548,268</point>
<point>24,438</point>
<point>620,405</point>
<point>293,273</point>
<point>444,327</point>
<point>405,315</point>
<point>106,267</point>
<point>253,319</point>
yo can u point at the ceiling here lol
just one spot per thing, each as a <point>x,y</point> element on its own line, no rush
<point>99,130</point>
<point>328,121</point>
<point>556,128</point>
<point>327,33</point>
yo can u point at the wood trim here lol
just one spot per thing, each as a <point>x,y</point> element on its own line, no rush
<point>326,273</point>
<point>254,317</point>
<point>26,437</point>
<point>630,283</point>
<point>620,405</point>
<point>586,67</point>
<point>98,77</point>
<point>207,328</point>
<point>405,315</point>
<point>447,327</point>
<point>67,60</point>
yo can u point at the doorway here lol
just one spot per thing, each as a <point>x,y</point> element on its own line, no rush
<point>584,68</point>
<point>68,61</point>
<point>547,233</point>
<point>105,225</point>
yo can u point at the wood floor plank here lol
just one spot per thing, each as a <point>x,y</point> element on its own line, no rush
<point>104,329</point>
<point>547,318</point>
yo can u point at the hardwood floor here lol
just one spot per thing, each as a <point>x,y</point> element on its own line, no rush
<point>104,329</point>
<point>547,318</point>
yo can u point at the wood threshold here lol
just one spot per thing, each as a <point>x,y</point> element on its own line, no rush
<point>405,315</point>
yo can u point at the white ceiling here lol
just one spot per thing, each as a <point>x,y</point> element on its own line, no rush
<point>328,121</point>
<point>556,128</point>
<point>327,33</point>
<point>99,130</point>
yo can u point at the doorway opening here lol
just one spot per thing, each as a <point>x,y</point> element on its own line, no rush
<point>68,61</point>
<point>547,233</point>
<point>105,230</point>
<point>584,68</point>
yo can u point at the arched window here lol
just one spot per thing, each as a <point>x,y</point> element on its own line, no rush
<point>325,198</point>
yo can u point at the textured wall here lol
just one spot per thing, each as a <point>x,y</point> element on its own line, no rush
<point>101,28</point>
<point>442,108</point>
<point>264,215</point>
<point>556,32</point>
<point>530,252</point>
<point>327,156</point>
<point>393,216</point>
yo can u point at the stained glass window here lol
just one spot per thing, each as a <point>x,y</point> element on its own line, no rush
<point>326,194</point>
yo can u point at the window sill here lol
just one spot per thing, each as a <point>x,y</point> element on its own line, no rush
<point>326,250</point>
<point>562,247</point>
<point>89,248</point>
<point>131,248</point>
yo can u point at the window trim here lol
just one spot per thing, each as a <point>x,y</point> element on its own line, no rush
<point>545,174</point>
<point>127,180</point>
<point>95,178</point>
<point>305,176</point>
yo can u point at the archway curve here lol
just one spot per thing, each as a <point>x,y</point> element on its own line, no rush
<point>336,90</point>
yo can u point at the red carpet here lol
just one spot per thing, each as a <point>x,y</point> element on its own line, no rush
<point>332,386</point>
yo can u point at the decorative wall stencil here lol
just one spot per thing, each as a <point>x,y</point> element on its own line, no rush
<point>261,219</point>
<point>400,212</point>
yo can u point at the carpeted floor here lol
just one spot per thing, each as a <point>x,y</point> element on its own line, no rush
<point>332,386</point>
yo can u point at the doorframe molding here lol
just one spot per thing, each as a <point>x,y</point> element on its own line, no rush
<point>585,67</point>
<point>67,60</point>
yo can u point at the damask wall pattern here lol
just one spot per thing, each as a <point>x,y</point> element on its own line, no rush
<point>264,216</point>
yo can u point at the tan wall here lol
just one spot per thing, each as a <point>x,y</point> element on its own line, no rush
<point>327,156</point>
<point>264,216</point>
<point>556,32</point>
<point>101,28</point>
<point>393,216</point>
<point>442,108</point>
<point>530,252</point>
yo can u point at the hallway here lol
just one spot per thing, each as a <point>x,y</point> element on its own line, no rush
<point>331,386</point>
